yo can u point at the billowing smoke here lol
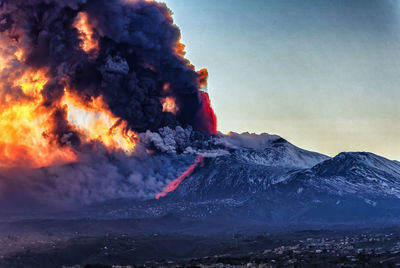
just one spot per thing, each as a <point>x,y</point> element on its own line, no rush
<point>127,52</point>
<point>97,101</point>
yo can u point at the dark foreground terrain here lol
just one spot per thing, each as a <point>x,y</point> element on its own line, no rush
<point>90,243</point>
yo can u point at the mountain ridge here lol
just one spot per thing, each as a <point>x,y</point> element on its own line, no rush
<point>351,185</point>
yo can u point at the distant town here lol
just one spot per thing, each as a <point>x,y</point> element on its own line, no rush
<point>360,250</point>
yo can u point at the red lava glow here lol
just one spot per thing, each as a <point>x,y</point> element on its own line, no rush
<point>206,115</point>
<point>175,183</point>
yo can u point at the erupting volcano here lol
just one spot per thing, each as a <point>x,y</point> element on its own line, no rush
<point>80,74</point>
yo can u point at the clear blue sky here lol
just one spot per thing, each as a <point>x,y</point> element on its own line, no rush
<point>323,74</point>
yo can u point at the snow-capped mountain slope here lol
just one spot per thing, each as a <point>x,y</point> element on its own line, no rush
<point>247,170</point>
<point>266,179</point>
<point>356,173</point>
<point>271,150</point>
<point>361,164</point>
<point>349,187</point>
<point>281,153</point>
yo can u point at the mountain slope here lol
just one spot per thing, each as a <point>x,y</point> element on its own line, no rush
<point>350,187</point>
<point>246,171</point>
<point>267,180</point>
<point>355,173</point>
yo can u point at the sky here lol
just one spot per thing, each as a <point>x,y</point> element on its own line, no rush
<point>324,75</point>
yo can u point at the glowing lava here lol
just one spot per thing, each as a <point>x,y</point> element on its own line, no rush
<point>175,183</point>
<point>206,115</point>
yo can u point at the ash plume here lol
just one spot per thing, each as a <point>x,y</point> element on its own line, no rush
<point>130,55</point>
<point>97,102</point>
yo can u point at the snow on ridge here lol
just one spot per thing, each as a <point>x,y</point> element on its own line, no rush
<point>366,160</point>
<point>359,173</point>
<point>271,150</point>
<point>250,140</point>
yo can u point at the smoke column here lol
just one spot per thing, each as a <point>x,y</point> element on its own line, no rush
<point>117,64</point>
<point>82,84</point>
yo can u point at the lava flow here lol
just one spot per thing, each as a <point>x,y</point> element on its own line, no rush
<point>175,183</point>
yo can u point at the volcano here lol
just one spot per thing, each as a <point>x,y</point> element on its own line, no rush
<point>108,134</point>
<point>273,182</point>
<point>98,103</point>
<point>264,177</point>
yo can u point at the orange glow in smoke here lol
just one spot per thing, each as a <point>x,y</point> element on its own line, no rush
<point>18,54</point>
<point>25,136</point>
<point>169,105</point>
<point>179,49</point>
<point>166,87</point>
<point>89,43</point>
<point>96,123</point>
<point>2,64</point>
<point>24,124</point>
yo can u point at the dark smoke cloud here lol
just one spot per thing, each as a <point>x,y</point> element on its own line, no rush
<point>138,53</point>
